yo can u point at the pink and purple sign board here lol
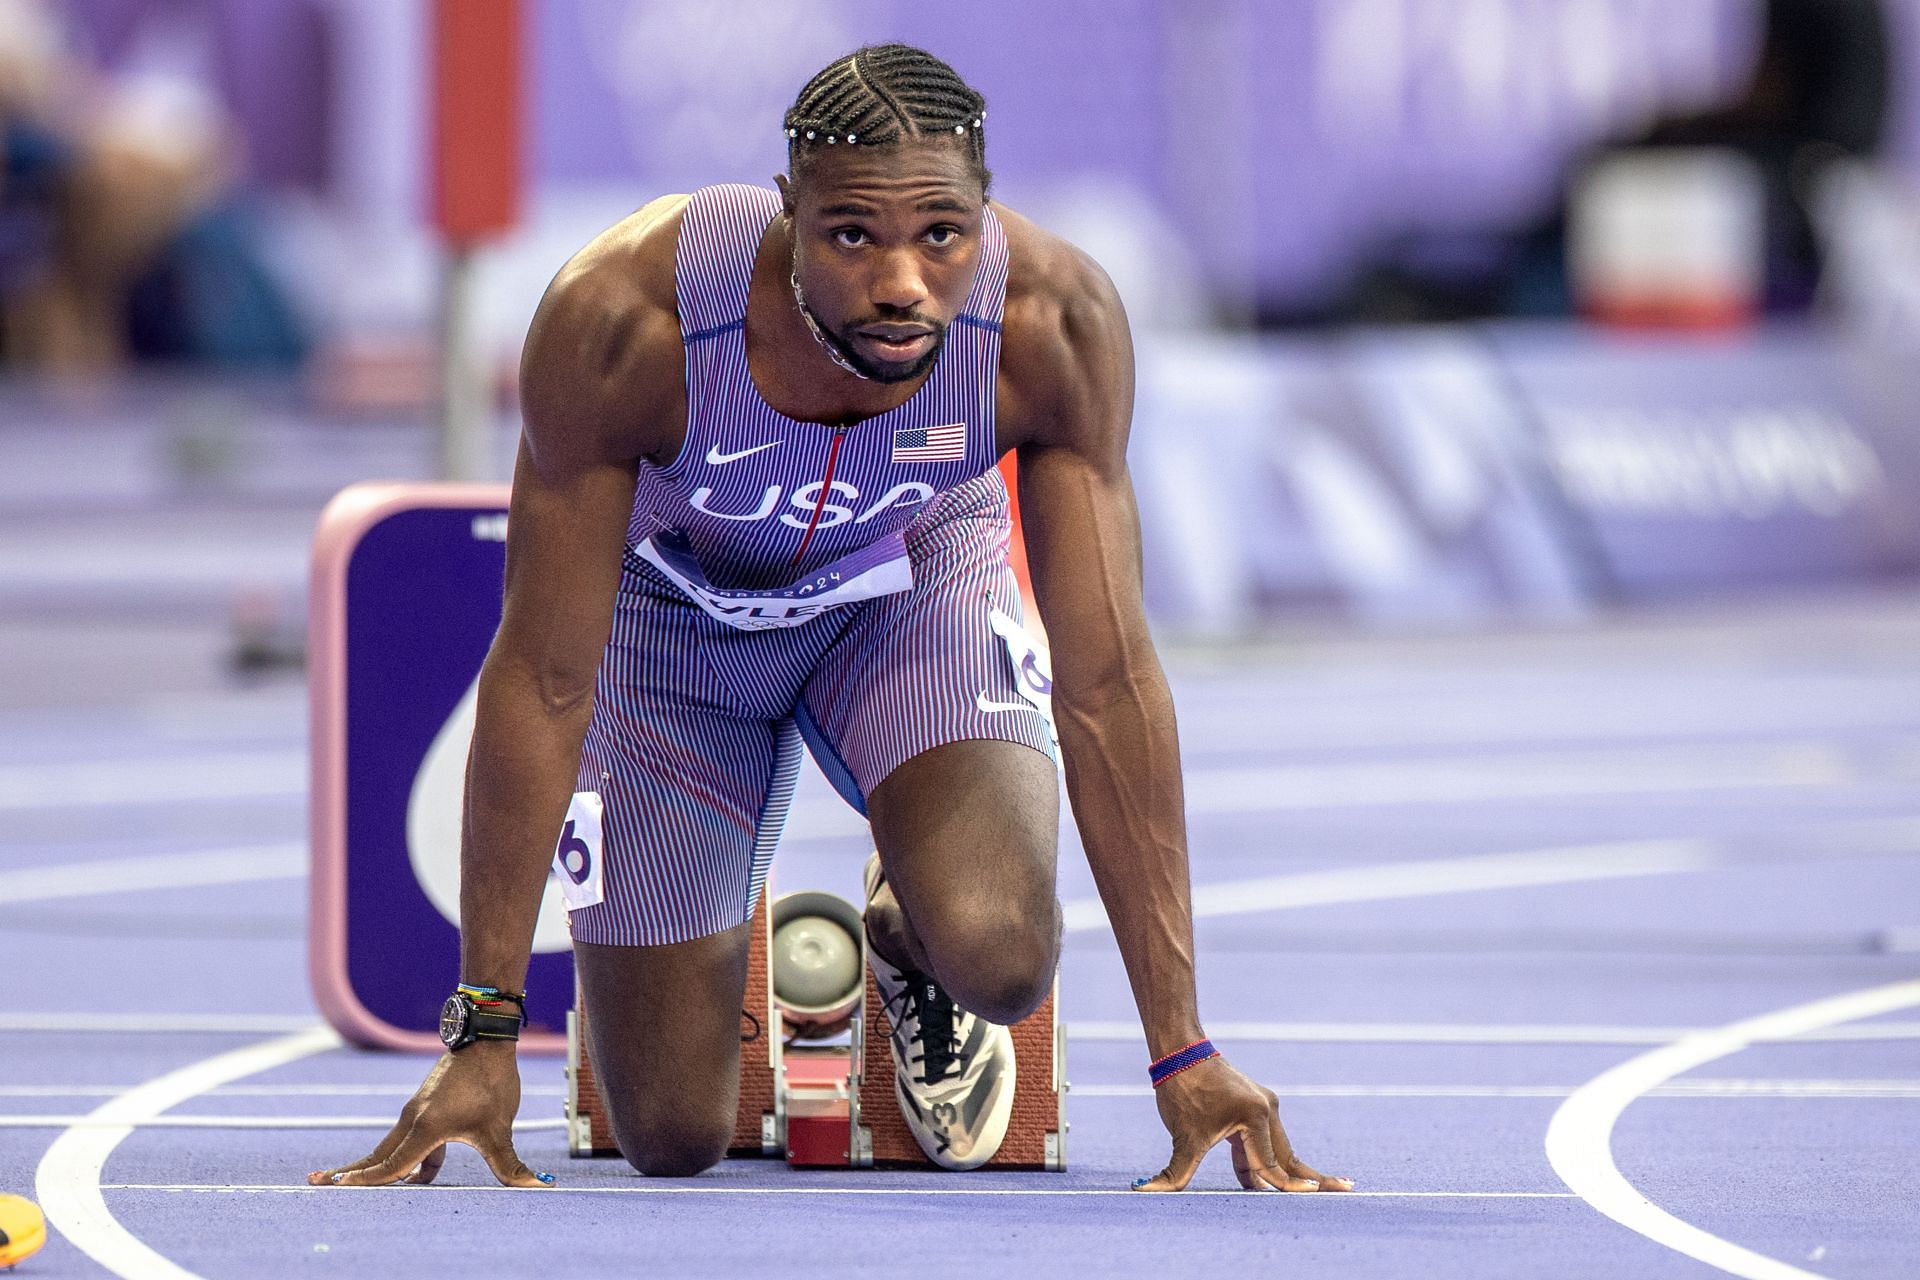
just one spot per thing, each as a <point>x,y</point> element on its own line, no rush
<point>406,587</point>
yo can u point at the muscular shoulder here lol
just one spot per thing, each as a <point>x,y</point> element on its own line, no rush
<point>601,373</point>
<point>1066,357</point>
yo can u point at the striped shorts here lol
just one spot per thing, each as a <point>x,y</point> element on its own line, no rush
<point>695,745</point>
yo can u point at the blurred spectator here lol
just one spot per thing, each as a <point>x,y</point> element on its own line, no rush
<point>119,235</point>
<point>1818,94</point>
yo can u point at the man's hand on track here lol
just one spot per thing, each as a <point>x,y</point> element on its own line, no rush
<point>471,1097</point>
<point>1211,1101</point>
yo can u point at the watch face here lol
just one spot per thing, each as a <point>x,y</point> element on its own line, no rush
<point>453,1020</point>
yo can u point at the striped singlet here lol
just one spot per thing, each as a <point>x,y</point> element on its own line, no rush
<point>890,629</point>
<point>732,519</point>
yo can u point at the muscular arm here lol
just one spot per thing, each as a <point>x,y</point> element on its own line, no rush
<point>1072,374</point>
<point>1067,402</point>
<point>600,387</point>
<point>600,383</point>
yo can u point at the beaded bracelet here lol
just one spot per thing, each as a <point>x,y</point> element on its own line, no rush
<point>489,997</point>
<point>1164,1069</point>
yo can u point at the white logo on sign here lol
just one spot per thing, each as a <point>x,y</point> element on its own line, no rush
<point>719,459</point>
<point>433,827</point>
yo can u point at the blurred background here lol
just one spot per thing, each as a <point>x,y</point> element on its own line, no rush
<point>1451,313</point>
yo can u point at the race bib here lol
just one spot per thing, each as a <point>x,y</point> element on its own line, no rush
<point>878,569</point>
<point>576,857</point>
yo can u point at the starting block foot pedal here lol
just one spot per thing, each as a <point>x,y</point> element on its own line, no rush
<point>819,1107</point>
<point>1037,1130</point>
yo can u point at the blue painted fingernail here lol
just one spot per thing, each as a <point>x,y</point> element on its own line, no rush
<point>545,1177</point>
<point>1141,1182</point>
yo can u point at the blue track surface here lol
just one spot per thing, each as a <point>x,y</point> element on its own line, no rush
<point>1720,819</point>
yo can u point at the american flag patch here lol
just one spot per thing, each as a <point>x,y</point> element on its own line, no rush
<point>946,443</point>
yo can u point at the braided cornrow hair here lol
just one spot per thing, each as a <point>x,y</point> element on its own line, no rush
<point>880,95</point>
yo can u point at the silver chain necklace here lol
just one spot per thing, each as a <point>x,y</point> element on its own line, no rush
<point>813,326</point>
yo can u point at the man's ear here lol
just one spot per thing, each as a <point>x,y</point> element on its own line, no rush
<point>781,181</point>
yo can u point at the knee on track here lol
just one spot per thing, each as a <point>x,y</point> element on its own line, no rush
<point>673,1147</point>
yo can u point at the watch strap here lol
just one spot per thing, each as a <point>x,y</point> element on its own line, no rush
<point>485,1025</point>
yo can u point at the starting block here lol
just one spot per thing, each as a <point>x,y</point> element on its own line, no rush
<point>833,1106</point>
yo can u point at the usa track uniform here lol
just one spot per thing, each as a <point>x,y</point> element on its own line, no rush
<point>753,615</point>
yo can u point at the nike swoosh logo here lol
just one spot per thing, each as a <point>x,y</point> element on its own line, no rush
<point>715,458</point>
<point>981,701</point>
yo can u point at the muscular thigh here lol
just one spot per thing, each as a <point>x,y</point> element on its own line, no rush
<point>664,1033</point>
<point>966,834</point>
<point>969,827</point>
<point>924,721</point>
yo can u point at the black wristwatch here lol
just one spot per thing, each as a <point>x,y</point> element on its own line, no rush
<point>470,1014</point>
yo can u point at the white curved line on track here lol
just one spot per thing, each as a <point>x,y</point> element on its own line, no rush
<point>1580,1135</point>
<point>68,1179</point>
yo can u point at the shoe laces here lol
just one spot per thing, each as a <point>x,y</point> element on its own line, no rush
<point>935,1028</point>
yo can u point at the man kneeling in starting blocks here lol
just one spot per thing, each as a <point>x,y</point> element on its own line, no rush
<point>756,504</point>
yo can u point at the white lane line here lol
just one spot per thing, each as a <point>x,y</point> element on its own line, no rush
<point>68,1179</point>
<point>645,1190</point>
<point>255,1090</point>
<point>1454,779</point>
<point>95,1121</point>
<point>1706,1088</point>
<point>149,1021</point>
<point>1086,1031</point>
<point>1530,868</point>
<point>222,775</point>
<point>1510,721</point>
<point>1580,1136</point>
<point>1451,779</point>
<point>1697,1088</point>
<point>1382,881</point>
<point>1430,877</point>
<point>154,871</point>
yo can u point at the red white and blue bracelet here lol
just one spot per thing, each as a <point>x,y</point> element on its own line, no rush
<point>1164,1069</point>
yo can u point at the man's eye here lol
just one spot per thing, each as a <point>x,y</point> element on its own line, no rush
<point>943,235</point>
<point>849,237</point>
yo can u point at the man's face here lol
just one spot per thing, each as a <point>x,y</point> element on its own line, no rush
<point>886,240</point>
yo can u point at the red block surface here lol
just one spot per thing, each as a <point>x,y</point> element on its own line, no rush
<point>1037,1132</point>
<point>476,132</point>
